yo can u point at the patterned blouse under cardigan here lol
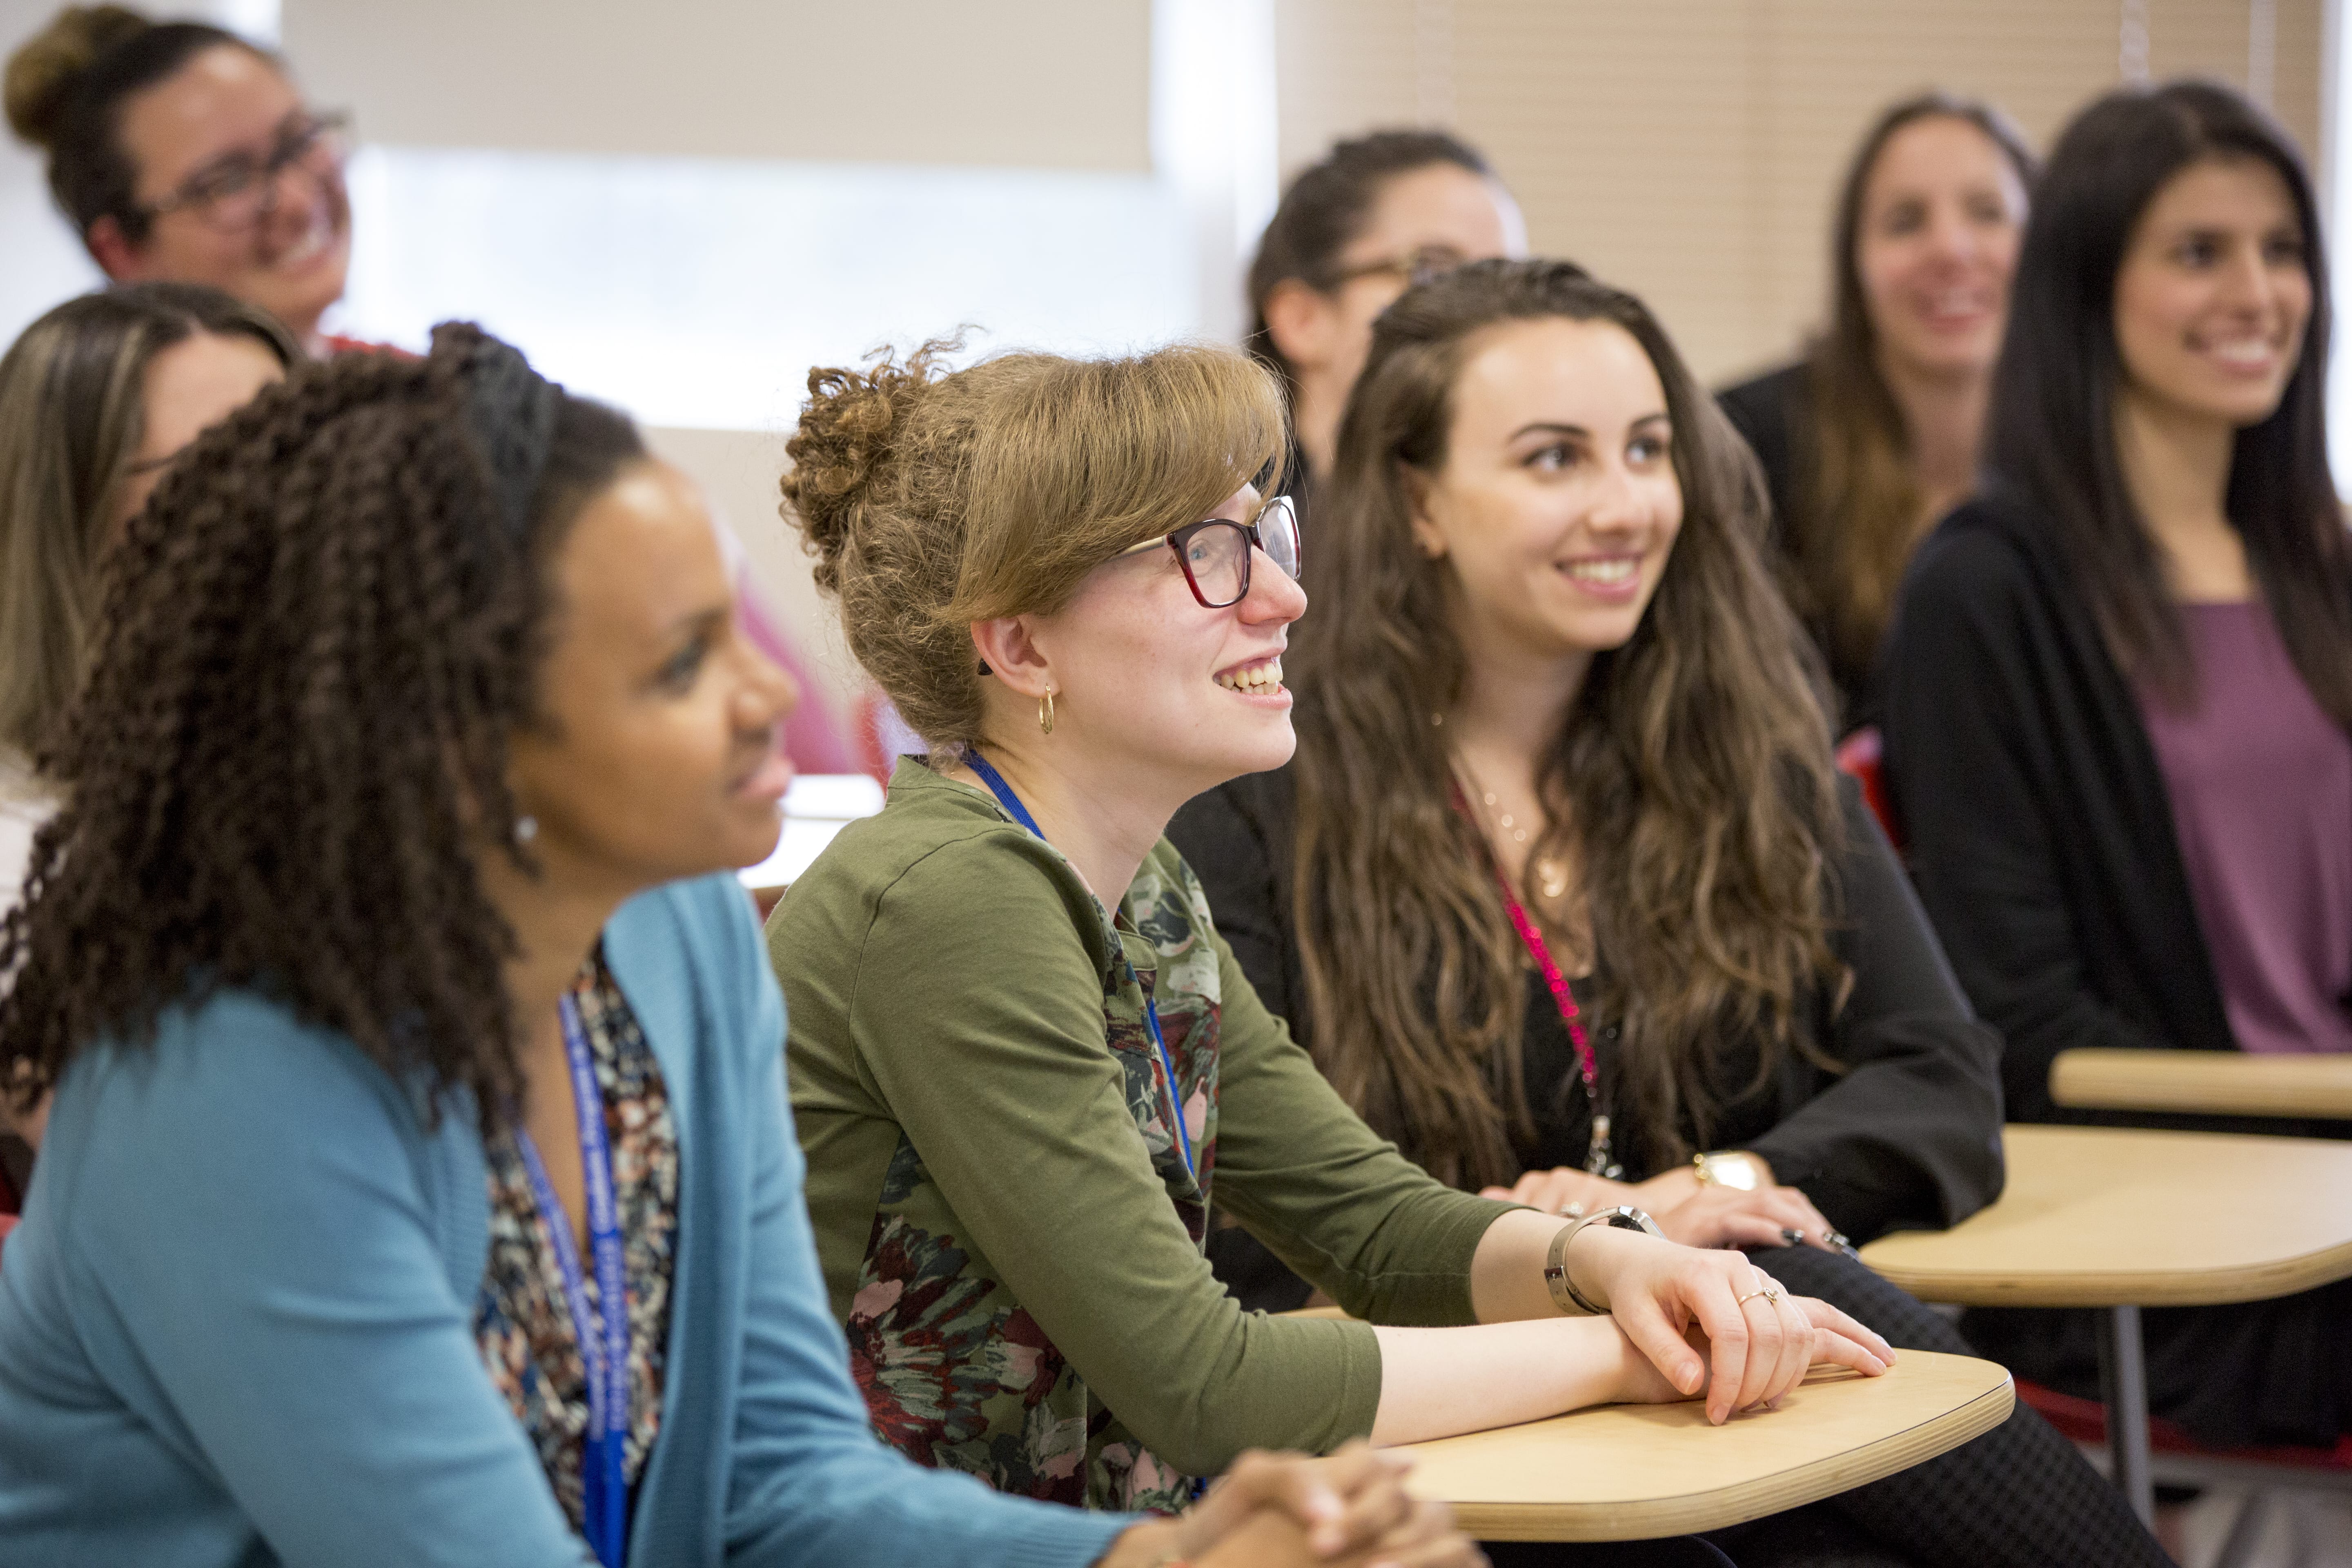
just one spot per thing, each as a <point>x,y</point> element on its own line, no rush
<point>520,1320</point>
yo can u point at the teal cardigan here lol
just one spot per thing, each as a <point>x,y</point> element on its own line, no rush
<point>236,1322</point>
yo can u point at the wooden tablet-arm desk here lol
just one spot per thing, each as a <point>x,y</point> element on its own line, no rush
<point>2207,1083</point>
<point>1630,1472</point>
<point>2121,1219</point>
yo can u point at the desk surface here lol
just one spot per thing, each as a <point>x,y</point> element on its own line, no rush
<point>1626,1472</point>
<point>2100,1216</point>
<point>2215,1083</point>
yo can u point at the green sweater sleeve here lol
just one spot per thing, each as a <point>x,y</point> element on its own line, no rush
<point>975,1013</point>
<point>1332,1198</point>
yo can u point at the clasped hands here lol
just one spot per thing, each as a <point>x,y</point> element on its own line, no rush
<point>1284,1510</point>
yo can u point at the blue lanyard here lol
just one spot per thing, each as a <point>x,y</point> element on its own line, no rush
<point>604,1348</point>
<point>1011,803</point>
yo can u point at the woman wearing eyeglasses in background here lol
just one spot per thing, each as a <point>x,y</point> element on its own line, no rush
<point>180,151</point>
<point>1376,214</point>
<point>1873,436</point>
<point>1021,1057</point>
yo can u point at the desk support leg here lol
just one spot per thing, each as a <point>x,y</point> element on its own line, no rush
<point>2123,1384</point>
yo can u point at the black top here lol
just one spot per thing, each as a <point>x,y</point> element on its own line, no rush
<point>1774,412</point>
<point>2032,809</point>
<point>1908,1136</point>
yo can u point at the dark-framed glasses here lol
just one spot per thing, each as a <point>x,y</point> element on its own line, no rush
<point>1215,553</point>
<point>234,191</point>
<point>1424,265</point>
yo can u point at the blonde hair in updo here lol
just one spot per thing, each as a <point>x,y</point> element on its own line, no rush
<point>933,499</point>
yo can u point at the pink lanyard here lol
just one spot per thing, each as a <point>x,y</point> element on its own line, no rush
<point>1597,1160</point>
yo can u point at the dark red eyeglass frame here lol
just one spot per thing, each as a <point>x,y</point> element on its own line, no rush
<point>1251,532</point>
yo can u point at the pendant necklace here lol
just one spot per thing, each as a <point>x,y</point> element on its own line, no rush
<point>1600,1158</point>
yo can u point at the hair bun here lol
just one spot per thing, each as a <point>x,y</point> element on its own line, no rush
<point>845,437</point>
<point>42,72</point>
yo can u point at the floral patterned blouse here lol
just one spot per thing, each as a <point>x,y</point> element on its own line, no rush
<point>520,1320</point>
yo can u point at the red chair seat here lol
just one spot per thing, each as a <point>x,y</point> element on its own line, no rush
<point>2085,1421</point>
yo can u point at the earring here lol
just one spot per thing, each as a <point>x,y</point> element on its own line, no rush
<point>1045,711</point>
<point>526,828</point>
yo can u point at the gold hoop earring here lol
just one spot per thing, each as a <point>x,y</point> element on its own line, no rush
<point>1045,711</point>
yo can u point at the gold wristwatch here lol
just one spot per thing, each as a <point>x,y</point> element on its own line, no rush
<point>1735,1168</point>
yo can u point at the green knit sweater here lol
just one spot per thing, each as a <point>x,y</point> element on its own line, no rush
<point>1008,1230</point>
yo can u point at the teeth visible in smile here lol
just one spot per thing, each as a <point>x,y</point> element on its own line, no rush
<point>2245,351</point>
<point>1257,680</point>
<point>1610,573</point>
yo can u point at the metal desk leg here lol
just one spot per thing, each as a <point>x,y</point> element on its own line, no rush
<point>2123,1385</point>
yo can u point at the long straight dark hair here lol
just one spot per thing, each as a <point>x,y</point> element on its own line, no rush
<point>2050,433</point>
<point>1691,780</point>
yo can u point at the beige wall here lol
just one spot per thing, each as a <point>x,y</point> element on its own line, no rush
<point>738,470</point>
<point>1690,148</point>
<point>1048,84</point>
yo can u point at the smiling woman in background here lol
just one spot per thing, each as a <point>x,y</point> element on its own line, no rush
<point>1874,434</point>
<point>2119,684</point>
<point>1373,216</point>
<point>179,150</point>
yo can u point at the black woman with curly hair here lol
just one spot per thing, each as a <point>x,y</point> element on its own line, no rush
<point>419,1187</point>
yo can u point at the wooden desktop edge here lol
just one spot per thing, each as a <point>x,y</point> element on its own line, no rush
<point>1640,1519</point>
<point>2202,1082</point>
<point>2156,1288</point>
<point>1736,1504</point>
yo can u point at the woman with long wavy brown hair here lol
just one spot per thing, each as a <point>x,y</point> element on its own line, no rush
<point>1871,435</point>
<point>1562,891</point>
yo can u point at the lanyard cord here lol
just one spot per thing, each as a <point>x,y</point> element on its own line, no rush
<point>1011,803</point>
<point>1597,1160</point>
<point>603,1335</point>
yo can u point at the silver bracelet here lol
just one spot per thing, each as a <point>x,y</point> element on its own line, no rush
<point>1564,1293</point>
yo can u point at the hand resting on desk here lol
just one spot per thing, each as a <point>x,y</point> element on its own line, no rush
<point>1697,1318</point>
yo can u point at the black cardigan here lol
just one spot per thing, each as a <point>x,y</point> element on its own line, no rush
<point>1909,1136</point>
<point>2035,814</point>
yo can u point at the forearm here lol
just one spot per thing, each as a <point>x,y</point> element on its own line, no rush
<point>1435,1383</point>
<point>1506,1275</point>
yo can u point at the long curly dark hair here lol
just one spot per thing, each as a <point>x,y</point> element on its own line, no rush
<point>314,642</point>
<point>1691,782</point>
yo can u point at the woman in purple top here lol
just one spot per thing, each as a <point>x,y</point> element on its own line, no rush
<point>2119,683</point>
